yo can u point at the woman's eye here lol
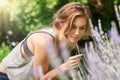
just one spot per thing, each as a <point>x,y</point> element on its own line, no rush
<point>73,27</point>
<point>82,28</point>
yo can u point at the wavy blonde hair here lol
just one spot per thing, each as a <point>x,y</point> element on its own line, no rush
<point>68,13</point>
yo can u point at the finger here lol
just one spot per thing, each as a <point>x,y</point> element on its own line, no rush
<point>74,61</point>
<point>77,56</point>
<point>80,55</point>
<point>75,65</point>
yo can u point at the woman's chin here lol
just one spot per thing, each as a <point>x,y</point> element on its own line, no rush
<point>73,41</point>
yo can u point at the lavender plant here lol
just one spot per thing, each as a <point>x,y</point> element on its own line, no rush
<point>101,58</point>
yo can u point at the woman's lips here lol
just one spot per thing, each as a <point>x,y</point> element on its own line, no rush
<point>75,37</point>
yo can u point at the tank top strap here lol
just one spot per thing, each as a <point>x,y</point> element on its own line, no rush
<point>25,46</point>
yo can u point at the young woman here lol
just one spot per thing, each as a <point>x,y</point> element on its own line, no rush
<point>35,51</point>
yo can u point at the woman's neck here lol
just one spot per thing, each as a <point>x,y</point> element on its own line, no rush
<point>70,46</point>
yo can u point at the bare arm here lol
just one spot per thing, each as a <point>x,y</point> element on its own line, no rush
<point>71,63</point>
<point>41,53</point>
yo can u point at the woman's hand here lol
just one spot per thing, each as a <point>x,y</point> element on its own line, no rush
<point>71,63</point>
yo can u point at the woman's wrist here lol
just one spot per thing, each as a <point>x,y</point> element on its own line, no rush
<point>63,68</point>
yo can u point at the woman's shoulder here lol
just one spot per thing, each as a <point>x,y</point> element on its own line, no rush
<point>42,34</point>
<point>41,38</point>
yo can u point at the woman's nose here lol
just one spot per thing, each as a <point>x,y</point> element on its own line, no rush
<point>77,32</point>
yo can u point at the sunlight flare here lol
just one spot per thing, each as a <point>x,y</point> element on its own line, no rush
<point>3,3</point>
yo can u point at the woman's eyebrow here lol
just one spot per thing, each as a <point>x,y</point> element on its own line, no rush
<point>83,26</point>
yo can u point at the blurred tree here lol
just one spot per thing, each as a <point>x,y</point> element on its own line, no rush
<point>118,4</point>
<point>103,10</point>
<point>60,3</point>
<point>4,20</point>
<point>24,16</point>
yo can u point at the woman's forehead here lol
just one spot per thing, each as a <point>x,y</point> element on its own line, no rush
<point>79,21</point>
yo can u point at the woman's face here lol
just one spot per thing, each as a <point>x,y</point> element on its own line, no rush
<point>78,29</point>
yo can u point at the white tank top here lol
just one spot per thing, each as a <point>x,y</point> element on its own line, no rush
<point>18,68</point>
